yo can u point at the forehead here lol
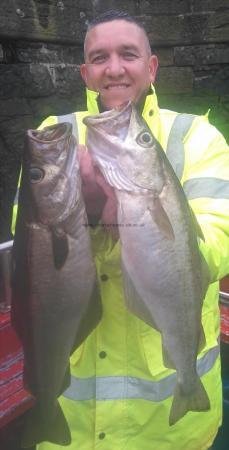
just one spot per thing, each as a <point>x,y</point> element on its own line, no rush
<point>114,34</point>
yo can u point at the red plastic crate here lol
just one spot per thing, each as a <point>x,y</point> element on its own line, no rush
<point>14,399</point>
<point>224,309</point>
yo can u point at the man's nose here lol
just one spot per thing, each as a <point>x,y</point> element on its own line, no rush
<point>115,66</point>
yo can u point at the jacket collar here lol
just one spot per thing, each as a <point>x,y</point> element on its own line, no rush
<point>150,102</point>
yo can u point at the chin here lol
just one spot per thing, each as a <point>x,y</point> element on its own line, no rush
<point>116,104</point>
<point>115,101</point>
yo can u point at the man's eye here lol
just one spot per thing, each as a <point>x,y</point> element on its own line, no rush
<point>129,56</point>
<point>98,59</point>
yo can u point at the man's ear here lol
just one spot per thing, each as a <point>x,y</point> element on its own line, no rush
<point>153,66</point>
<point>83,72</point>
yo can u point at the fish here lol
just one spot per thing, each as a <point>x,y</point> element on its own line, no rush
<point>158,233</point>
<point>56,301</point>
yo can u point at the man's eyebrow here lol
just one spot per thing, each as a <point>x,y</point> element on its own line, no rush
<point>130,47</point>
<point>98,51</point>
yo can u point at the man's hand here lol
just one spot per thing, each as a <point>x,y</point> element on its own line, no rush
<point>99,197</point>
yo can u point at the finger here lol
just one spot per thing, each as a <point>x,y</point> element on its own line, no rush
<point>82,148</point>
<point>86,165</point>
<point>82,152</point>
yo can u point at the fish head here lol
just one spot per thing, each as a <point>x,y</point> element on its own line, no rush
<point>51,173</point>
<point>105,133</point>
<point>141,158</point>
<point>122,138</point>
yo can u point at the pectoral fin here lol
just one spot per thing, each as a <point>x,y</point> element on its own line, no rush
<point>161,219</point>
<point>135,301</point>
<point>60,248</point>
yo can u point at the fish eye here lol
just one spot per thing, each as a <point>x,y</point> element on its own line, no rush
<point>36,174</point>
<point>145,138</point>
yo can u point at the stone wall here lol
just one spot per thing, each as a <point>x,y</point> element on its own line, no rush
<point>41,47</point>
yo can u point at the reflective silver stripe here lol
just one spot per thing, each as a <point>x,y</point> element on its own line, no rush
<point>206,187</point>
<point>114,388</point>
<point>175,146</point>
<point>72,119</point>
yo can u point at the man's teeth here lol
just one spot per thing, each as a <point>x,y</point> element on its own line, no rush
<point>117,86</point>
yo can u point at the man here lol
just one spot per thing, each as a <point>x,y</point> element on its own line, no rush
<point>121,393</point>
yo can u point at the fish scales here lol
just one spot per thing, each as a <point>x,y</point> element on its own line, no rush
<point>159,233</point>
<point>56,302</point>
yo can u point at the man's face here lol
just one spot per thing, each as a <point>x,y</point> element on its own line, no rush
<point>118,63</point>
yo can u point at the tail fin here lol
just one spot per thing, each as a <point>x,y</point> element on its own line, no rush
<point>197,401</point>
<point>37,429</point>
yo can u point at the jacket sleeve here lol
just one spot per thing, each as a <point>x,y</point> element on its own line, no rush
<point>206,184</point>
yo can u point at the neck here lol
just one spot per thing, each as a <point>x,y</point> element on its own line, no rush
<point>139,105</point>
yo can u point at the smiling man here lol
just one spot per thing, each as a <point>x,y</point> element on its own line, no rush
<point>121,392</point>
<point>118,63</point>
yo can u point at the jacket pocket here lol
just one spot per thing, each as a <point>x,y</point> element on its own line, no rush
<point>152,350</point>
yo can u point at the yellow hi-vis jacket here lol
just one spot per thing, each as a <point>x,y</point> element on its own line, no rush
<point>121,393</point>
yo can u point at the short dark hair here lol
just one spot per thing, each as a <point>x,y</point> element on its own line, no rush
<point>114,14</point>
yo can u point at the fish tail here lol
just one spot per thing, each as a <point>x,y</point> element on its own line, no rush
<point>37,429</point>
<point>197,400</point>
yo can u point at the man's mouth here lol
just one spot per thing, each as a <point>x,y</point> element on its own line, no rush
<point>117,86</point>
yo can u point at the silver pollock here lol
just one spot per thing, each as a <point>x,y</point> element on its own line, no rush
<point>56,301</point>
<point>165,277</point>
